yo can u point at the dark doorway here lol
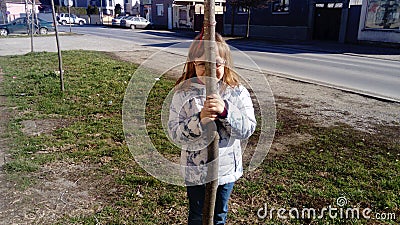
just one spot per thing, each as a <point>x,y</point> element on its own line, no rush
<point>199,18</point>
<point>327,21</point>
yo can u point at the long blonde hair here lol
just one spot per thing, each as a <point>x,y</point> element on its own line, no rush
<point>197,50</point>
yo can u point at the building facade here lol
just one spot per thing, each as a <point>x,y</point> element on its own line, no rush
<point>380,21</point>
<point>297,20</point>
<point>190,14</point>
<point>107,7</point>
<point>179,14</point>
<point>159,12</point>
<point>13,9</point>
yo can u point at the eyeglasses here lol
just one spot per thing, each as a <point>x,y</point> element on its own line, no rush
<point>202,64</point>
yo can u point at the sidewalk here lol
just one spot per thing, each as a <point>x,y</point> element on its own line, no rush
<point>363,50</point>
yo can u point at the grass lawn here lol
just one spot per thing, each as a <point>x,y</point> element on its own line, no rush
<point>86,128</point>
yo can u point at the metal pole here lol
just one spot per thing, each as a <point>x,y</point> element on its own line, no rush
<point>32,25</point>
<point>58,47</point>
<point>211,85</point>
<point>101,11</point>
<point>69,18</point>
<point>28,22</point>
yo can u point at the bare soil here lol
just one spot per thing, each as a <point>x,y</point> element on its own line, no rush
<point>59,189</point>
<point>43,126</point>
<point>69,189</point>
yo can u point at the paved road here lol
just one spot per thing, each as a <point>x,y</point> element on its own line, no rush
<point>357,73</point>
<point>367,75</point>
<point>376,77</point>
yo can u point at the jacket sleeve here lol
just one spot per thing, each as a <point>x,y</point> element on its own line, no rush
<point>184,125</point>
<point>240,121</point>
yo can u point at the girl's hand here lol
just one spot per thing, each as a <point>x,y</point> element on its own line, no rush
<point>213,106</point>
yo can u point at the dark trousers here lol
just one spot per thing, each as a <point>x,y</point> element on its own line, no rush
<point>196,201</point>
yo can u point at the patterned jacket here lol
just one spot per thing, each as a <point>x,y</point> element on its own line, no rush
<point>186,130</point>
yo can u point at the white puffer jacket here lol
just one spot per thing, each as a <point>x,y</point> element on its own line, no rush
<point>186,130</point>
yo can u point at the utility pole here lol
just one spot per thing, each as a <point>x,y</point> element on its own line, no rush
<point>29,23</point>
<point>69,15</point>
<point>58,47</point>
<point>211,88</point>
<point>101,11</point>
<point>32,23</point>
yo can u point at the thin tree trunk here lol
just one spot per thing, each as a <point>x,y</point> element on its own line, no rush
<point>58,47</point>
<point>211,85</point>
<point>248,23</point>
<point>32,22</point>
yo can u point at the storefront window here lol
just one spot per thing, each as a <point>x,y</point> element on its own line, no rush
<point>280,6</point>
<point>383,14</point>
<point>160,9</point>
<point>242,10</point>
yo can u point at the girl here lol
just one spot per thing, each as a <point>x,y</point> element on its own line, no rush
<point>233,115</point>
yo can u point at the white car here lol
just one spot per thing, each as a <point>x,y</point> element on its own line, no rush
<point>117,21</point>
<point>134,22</point>
<point>65,18</point>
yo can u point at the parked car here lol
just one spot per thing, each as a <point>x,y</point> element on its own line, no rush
<point>134,22</point>
<point>65,18</point>
<point>19,26</point>
<point>117,21</point>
